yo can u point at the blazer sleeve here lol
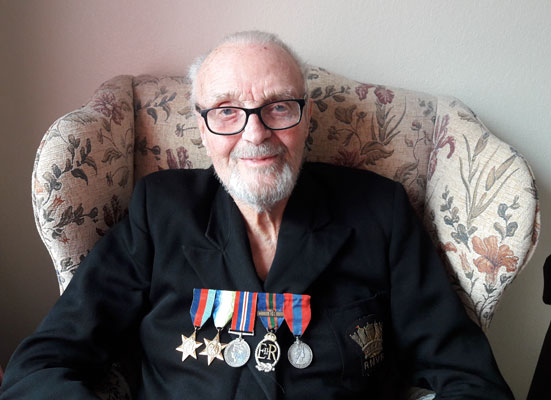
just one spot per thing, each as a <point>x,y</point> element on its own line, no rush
<point>439,344</point>
<point>100,309</point>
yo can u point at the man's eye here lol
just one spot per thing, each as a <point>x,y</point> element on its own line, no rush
<point>226,112</point>
<point>278,108</point>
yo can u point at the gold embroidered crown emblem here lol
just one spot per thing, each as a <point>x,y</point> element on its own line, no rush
<point>369,338</point>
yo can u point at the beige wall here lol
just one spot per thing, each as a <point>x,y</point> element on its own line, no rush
<point>493,55</point>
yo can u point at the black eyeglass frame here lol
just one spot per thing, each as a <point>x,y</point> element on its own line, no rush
<point>248,112</point>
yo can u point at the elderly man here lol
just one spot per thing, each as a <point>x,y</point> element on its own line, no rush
<point>255,240</point>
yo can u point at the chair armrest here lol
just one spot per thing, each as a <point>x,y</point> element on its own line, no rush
<point>481,207</point>
<point>83,175</point>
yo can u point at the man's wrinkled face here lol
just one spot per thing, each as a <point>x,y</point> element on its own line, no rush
<point>257,166</point>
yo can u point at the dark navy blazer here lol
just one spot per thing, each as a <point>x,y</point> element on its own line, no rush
<point>348,238</point>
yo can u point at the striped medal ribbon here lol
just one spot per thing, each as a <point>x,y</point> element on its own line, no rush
<point>221,314</point>
<point>270,311</point>
<point>201,307</point>
<point>200,311</point>
<point>296,310</point>
<point>244,315</point>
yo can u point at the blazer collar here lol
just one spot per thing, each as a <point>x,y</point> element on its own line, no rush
<point>308,240</point>
<point>225,262</point>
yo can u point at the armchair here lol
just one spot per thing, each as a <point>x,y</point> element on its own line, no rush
<point>475,194</point>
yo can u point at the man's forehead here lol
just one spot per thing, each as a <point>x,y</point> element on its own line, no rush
<point>241,98</point>
<point>249,72</point>
<point>239,50</point>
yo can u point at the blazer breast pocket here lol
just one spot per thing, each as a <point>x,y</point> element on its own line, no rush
<point>360,332</point>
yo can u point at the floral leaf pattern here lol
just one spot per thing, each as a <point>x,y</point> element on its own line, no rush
<point>113,212</point>
<point>161,101</point>
<point>493,258</point>
<point>480,213</point>
<point>362,123</point>
<point>440,140</point>
<point>182,158</point>
<point>107,104</point>
<point>355,126</point>
<point>90,144</point>
<point>174,143</point>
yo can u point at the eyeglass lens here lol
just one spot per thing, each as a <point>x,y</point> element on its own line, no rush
<point>277,115</point>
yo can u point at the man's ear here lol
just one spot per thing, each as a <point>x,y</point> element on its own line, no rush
<point>203,131</point>
<point>309,107</point>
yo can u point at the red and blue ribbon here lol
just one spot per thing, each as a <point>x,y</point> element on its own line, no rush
<point>296,309</point>
<point>201,307</point>
<point>244,312</point>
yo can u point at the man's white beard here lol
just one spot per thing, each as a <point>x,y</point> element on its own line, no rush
<point>272,184</point>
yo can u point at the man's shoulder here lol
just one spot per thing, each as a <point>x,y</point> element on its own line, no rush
<point>180,176</point>
<point>181,185</point>
<point>350,180</point>
<point>352,196</point>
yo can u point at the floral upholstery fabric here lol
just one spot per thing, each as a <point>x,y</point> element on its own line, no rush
<point>486,219</point>
<point>83,175</point>
<point>475,193</point>
<point>166,134</point>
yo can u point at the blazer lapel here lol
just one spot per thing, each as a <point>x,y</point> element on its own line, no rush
<point>225,262</point>
<point>308,239</point>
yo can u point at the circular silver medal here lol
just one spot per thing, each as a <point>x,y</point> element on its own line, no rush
<point>237,353</point>
<point>300,354</point>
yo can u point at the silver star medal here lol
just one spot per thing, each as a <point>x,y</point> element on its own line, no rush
<point>200,311</point>
<point>213,349</point>
<point>221,314</point>
<point>189,346</point>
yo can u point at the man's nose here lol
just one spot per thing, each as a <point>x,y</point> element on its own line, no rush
<point>255,131</point>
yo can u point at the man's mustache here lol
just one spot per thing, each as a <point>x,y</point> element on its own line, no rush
<point>266,149</point>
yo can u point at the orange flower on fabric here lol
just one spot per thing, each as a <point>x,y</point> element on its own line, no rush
<point>493,258</point>
<point>449,246</point>
<point>465,265</point>
<point>57,202</point>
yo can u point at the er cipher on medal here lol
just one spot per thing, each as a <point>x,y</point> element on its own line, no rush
<point>270,311</point>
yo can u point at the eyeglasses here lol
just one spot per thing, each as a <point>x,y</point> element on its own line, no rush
<point>276,115</point>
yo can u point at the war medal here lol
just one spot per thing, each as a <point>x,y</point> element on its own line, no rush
<point>223,309</point>
<point>270,311</point>
<point>188,346</point>
<point>200,311</point>
<point>237,352</point>
<point>296,310</point>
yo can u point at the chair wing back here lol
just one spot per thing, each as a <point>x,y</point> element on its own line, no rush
<point>475,193</point>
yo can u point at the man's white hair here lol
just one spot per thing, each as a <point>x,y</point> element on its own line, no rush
<point>245,38</point>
